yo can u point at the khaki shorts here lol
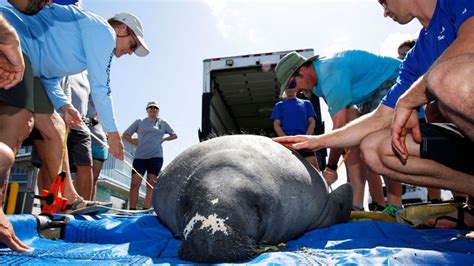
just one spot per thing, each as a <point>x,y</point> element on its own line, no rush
<point>28,94</point>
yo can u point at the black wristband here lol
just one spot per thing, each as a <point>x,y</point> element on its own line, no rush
<point>332,166</point>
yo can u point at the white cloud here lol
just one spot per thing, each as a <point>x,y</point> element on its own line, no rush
<point>339,43</point>
<point>232,24</point>
<point>390,45</point>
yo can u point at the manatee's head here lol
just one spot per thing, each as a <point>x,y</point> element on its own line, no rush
<point>215,238</point>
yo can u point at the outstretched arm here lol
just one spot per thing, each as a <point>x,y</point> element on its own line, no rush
<point>347,136</point>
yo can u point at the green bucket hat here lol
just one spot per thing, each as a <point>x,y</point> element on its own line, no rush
<point>288,66</point>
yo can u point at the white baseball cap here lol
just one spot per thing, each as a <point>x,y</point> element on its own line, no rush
<point>136,26</point>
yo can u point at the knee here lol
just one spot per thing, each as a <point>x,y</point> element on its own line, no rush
<point>23,124</point>
<point>136,181</point>
<point>435,80</point>
<point>52,127</point>
<point>7,158</point>
<point>450,79</point>
<point>371,153</point>
<point>368,148</point>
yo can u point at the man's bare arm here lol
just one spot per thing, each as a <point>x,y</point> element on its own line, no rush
<point>347,136</point>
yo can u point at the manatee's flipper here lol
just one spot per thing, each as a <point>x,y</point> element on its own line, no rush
<point>338,207</point>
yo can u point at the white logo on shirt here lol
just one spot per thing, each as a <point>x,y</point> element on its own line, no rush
<point>464,11</point>
<point>441,37</point>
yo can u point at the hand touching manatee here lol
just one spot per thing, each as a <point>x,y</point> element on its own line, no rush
<point>299,142</point>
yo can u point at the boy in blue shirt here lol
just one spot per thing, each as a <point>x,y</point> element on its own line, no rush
<point>294,116</point>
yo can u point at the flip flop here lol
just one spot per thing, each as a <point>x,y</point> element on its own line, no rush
<point>418,216</point>
<point>91,208</point>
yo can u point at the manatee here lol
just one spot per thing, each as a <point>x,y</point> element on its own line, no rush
<point>226,196</point>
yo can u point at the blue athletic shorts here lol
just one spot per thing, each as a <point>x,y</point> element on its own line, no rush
<point>99,153</point>
<point>152,166</point>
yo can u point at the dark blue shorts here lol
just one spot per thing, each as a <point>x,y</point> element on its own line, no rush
<point>443,143</point>
<point>152,166</point>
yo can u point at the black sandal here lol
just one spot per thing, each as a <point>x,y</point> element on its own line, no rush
<point>91,207</point>
<point>459,221</point>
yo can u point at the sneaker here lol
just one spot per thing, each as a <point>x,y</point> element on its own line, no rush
<point>391,210</point>
<point>375,207</point>
<point>357,208</point>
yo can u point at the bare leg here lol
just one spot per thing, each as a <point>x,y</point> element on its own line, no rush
<point>7,158</point>
<point>47,177</point>
<point>15,125</point>
<point>44,177</point>
<point>96,168</point>
<point>134,191</point>
<point>416,171</point>
<point>394,191</point>
<point>434,194</point>
<point>151,179</point>
<point>451,82</point>
<point>375,187</point>
<point>356,174</point>
<point>313,161</point>
<point>52,129</point>
<point>7,235</point>
<point>84,181</point>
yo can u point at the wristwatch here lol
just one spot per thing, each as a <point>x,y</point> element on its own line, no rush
<point>332,166</point>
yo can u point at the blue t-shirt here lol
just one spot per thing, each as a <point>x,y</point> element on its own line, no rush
<point>293,114</point>
<point>65,40</point>
<point>432,42</point>
<point>350,77</point>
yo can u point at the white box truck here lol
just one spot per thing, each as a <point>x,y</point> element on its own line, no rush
<point>239,93</point>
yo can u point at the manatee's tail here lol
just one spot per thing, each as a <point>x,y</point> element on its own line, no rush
<point>205,247</point>
<point>338,208</point>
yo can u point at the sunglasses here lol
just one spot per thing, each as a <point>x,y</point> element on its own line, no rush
<point>153,107</point>
<point>383,3</point>
<point>292,83</point>
<point>134,44</point>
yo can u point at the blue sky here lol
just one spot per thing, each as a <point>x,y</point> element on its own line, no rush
<point>181,34</point>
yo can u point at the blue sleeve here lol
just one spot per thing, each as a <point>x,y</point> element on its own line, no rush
<point>460,11</point>
<point>337,90</point>
<point>132,128</point>
<point>99,48</point>
<point>168,128</point>
<point>309,109</point>
<point>55,92</point>
<point>409,72</point>
<point>66,88</point>
<point>276,114</point>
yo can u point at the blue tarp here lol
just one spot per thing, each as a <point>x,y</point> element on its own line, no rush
<point>111,240</point>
